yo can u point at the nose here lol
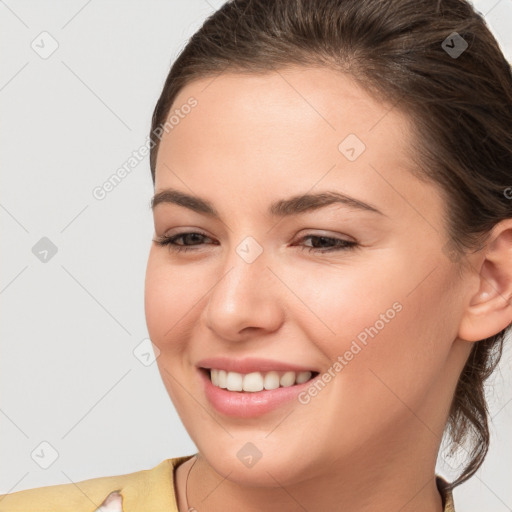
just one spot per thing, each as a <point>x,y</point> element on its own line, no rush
<point>246,300</point>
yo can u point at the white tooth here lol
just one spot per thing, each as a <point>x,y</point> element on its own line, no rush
<point>253,382</point>
<point>234,381</point>
<point>214,375</point>
<point>288,379</point>
<point>222,379</point>
<point>271,380</point>
<point>303,377</point>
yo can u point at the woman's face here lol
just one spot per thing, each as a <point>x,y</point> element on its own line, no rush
<point>271,277</point>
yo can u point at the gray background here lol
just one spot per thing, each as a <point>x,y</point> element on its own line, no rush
<point>68,373</point>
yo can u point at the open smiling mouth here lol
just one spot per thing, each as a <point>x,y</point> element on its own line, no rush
<point>255,382</point>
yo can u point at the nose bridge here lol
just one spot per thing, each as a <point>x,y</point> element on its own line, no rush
<point>245,294</point>
<point>244,271</point>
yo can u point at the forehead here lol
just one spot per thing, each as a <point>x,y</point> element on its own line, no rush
<point>296,126</point>
<point>283,110</point>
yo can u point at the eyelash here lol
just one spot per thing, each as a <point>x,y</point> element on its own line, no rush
<point>343,245</point>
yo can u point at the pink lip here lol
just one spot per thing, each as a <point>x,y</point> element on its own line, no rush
<point>249,405</point>
<point>250,364</point>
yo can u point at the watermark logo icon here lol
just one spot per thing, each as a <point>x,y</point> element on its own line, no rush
<point>44,250</point>
<point>44,45</point>
<point>454,45</point>
<point>351,147</point>
<point>249,249</point>
<point>146,352</point>
<point>44,454</point>
<point>249,455</point>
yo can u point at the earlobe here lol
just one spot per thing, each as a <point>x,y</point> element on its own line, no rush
<point>489,310</point>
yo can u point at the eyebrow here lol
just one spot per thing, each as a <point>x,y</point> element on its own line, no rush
<point>282,208</point>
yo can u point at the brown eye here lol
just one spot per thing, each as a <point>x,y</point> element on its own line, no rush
<point>327,244</point>
<point>194,237</point>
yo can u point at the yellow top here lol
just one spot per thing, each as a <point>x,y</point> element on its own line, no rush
<point>149,490</point>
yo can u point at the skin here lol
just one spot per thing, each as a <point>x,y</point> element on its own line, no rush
<point>369,440</point>
<point>112,503</point>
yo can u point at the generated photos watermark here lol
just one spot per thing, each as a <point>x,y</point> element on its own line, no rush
<point>356,346</point>
<point>101,191</point>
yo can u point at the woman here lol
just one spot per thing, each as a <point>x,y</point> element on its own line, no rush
<point>330,281</point>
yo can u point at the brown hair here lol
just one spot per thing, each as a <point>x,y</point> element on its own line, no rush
<point>399,50</point>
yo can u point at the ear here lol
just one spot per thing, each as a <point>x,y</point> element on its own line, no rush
<point>489,310</point>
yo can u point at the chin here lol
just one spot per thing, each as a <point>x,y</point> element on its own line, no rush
<point>238,461</point>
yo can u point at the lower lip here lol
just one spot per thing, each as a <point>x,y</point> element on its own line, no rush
<point>249,404</point>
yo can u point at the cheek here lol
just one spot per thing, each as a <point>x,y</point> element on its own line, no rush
<point>168,302</point>
<point>390,331</point>
<point>345,302</point>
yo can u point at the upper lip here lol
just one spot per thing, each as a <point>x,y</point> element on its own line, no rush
<point>250,364</point>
